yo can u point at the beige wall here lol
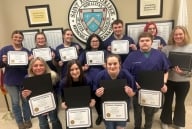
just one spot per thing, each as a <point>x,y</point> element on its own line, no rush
<point>13,15</point>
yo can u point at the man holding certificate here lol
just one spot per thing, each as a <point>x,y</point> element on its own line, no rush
<point>41,95</point>
<point>92,60</point>
<point>77,96</point>
<point>118,43</point>
<point>114,119</point>
<point>146,59</point>
<point>67,51</point>
<point>179,78</point>
<point>14,58</point>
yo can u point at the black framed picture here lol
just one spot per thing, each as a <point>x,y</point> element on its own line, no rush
<point>38,15</point>
<point>149,8</point>
<point>54,36</point>
<point>164,29</point>
<point>29,38</point>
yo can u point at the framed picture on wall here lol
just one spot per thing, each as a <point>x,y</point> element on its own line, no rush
<point>149,8</point>
<point>54,36</point>
<point>29,38</point>
<point>164,29</point>
<point>38,15</point>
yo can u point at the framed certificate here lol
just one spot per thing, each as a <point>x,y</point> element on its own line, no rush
<point>149,8</point>
<point>164,29</point>
<point>17,58</point>
<point>68,53</point>
<point>42,103</point>
<point>181,59</point>
<point>95,57</point>
<point>44,53</point>
<point>54,36</point>
<point>155,44</point>
<point>150,98</point>
<point>79,117</point>
<point>38,15</point>
<point>120,46</point>
<point>29,38</point>
<point>115,111</point>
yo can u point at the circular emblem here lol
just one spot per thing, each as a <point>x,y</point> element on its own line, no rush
<point>36,109</point>
<point>108,115</point>
<point>143,101</point>
<point>72,122</point>
<point>92,16</point>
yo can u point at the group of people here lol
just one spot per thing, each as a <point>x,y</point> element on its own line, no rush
<point>77,72</point>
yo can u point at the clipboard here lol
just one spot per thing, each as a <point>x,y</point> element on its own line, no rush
<point>114,90</point>
<point>77,96</point>
<point>38,84</point>
<point>151,80</point>
<point>181,59</point>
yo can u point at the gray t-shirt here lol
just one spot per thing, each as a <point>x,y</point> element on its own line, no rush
<point>173,76</point>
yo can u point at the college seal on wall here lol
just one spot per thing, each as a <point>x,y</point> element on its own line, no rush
<point>92,16</point>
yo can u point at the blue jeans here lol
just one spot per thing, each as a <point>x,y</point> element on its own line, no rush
<point>21,114</point>
<point>114,124</point>
<point>43,121</point>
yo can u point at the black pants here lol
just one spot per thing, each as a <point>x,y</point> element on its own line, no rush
<point>98,106</point>
<point>148,111</point>
<point>180,89</point>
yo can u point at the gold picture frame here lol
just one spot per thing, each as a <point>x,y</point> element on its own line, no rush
<point>38,15</point>
<point>149,9</point>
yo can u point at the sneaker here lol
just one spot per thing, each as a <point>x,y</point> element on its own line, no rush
<point>99,120</point>
<point>21,126</point>
<point>164,126</point>
<point>28,124</point>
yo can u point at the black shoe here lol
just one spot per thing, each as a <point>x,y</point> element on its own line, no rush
<point>99,120</point>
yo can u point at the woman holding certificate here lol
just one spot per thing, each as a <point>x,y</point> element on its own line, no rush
<point>67,51</point>
<point>39,67</point>
<point>92,60</point>
<point>178,81</point>
<point>14,58</point>
<point>118,43</point>
<point>158,42</point>
<point>75,78</point>
<point>146,59</point>
<point>113,72</point>
<point>44,51</point>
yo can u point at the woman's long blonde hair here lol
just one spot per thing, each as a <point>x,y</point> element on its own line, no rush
<point>186,35</point>
<point>54,75</point>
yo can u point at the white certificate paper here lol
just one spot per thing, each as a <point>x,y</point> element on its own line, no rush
<point>120,46</point>
<point>95,57</point>
<point>150,98</point>
<point>44,53</point>
<point>68,53</point>
<point>115,111</point>
<point>78,117</point>
<point>42,103</point>
<point>16,58</point>
<point>155,44</point>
